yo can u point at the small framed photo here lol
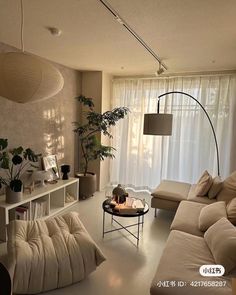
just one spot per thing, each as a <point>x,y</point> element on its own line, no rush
<point>50,164</point>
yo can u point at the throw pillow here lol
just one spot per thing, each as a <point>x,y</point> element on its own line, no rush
<point>215,187</point>
<point>203,185</point>
<point>231,211</point>
<point>221,239</point>
<point>228,191</point>
<point>210,214</point>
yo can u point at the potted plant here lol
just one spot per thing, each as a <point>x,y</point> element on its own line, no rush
<point>91,147</point>
<point>13,163</point>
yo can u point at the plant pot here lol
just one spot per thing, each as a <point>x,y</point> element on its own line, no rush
<point>87,184</point>
<point>13,197</point>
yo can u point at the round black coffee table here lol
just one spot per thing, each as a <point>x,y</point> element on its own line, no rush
<point>109,208</point>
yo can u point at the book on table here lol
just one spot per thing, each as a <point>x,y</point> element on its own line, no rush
<point>132,205</point>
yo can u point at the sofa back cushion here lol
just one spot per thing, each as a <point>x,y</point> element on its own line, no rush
<point>215,188</point>
<point>221,239</point>
<point>231,211</point>
<point>228,192</point>
<point>210,214</point>
<point>203,184</point>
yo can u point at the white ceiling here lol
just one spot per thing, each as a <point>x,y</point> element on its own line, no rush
<point>189,35</point>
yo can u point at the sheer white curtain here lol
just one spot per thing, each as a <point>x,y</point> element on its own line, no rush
<point>143,160</point>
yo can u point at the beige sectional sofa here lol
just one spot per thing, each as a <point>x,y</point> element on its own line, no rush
<point>169,194</point>
<point>196,239</point>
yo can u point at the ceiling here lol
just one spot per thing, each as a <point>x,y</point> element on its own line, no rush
<point>188,35</point>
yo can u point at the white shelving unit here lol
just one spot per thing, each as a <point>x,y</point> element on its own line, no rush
<point>53,194</point>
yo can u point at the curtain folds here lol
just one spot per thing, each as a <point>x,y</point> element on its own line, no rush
<point>143,160</point>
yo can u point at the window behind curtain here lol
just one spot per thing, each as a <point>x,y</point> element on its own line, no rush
<point>143,160</point>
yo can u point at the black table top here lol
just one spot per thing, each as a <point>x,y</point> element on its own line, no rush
<point>108,208</point>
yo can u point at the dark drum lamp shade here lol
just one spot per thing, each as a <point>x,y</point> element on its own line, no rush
<point>157,124</point>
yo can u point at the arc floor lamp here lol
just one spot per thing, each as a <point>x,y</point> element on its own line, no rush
<point>161,124</point>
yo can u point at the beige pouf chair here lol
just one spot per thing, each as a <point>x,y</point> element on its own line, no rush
<point>50,254</point>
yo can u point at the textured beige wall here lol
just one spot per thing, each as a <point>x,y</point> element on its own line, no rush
<point>45,126</point>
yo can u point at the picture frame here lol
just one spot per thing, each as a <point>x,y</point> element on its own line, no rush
<point>50,164</point>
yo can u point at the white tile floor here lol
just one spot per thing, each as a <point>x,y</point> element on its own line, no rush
<point>128,270</point>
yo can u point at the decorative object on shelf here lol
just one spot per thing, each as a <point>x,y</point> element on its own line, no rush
<point>26,78</point>
<point>28,187</point>
<point>69,198</point>
<point>161,124</point>
<point>91,147</point>
<point>50,164</point>
<point>14,162</point>
<point>119,194</point>
<point>28,183</point>
<point>65,169</point>
<point>40,177</point>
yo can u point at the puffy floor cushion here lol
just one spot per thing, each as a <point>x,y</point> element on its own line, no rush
<point>180,261</point>
<point>187,217</point>
<point>49,254</point>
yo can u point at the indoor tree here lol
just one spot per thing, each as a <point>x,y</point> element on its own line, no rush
<point>91,148</point>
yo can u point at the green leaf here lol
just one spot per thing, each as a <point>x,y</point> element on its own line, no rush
<point>86,101</point>
<point>5,161</point>
<point>3,143</point>
<point>30,155</point>
<point>17,151</point>
<point>16,160</point>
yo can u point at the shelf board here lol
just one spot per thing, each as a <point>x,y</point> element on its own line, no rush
<point>70,203</point>
<point>38,192</point>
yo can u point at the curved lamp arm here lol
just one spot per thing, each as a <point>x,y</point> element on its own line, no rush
<point>214,134</point>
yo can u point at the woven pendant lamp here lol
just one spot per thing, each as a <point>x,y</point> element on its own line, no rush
<point>26,78</point>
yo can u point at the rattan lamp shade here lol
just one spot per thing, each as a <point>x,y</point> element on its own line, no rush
<point>157,124</point>
<point>26,78</point>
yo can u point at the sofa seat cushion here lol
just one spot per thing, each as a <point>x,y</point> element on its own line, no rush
<point>164,204</point>
<point>194,198</point>
<point>185,267</point>
<point>49,254</point>
<point>187,217</point>
<point>172,190</point>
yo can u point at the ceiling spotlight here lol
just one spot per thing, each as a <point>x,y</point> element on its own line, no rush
<point>120,21</point>
<point>160,70</point>
<point>54,31</point>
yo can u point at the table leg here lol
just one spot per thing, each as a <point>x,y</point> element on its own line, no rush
<point>138,230</point>
<point>103,224</point>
